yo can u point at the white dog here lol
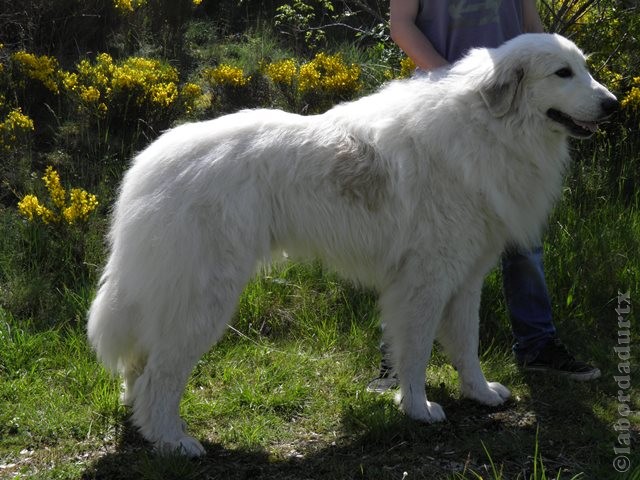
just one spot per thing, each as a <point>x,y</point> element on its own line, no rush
<point>414,190</point>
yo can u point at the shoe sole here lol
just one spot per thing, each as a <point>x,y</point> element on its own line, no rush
<point>382,385</point>
<point>580,377</point>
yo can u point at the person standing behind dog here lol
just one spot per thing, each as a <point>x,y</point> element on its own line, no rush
<point>434,34</point>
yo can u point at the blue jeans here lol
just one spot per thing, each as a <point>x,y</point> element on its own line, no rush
<point>528,301</point>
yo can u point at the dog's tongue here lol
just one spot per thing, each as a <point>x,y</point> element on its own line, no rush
<point>590,126</point>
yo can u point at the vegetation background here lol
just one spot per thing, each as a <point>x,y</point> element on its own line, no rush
<point>86,84</point>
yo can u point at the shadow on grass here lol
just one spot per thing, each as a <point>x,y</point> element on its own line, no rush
<point>378,442</point>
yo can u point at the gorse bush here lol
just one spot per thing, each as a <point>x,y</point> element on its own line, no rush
<point>103,85</point>
<point>310,86</point>
<point>72,208</point>
<point>15,126</point>
<point>407,67</point>
<point>283,72</point>
<point>42,68</point>
<point>325,74</point>
<point>317,84</point>
<point>147,84</point>
<point>227,75</point>
<point>631,100</point>
<point>329,74</point>
<point>129,6</point>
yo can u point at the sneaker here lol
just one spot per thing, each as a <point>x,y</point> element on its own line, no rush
<point>555,358</point>
<point>387,380</point>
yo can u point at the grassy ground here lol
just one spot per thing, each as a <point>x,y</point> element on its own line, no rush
<point>283,395</point>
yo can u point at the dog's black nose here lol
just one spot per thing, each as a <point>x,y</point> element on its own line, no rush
<point>610,106</point>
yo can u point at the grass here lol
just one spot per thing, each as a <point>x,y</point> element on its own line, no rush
<point>283,396</point>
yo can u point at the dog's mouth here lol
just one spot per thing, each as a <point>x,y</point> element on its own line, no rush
<point>576,128</point>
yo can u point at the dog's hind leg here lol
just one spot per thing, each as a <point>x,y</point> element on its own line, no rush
<point>410,315</point>
<point>157,394</point>
<point>158,390</point>
<point>188,313</point>
<point>459,336</point>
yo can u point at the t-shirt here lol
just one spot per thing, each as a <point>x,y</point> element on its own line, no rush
<point>455,26</point>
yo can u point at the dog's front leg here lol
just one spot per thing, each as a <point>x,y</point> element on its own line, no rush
<point>410,316</point>
<point>458,334</point>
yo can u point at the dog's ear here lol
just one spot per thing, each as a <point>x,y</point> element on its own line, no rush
<point>500,93</point>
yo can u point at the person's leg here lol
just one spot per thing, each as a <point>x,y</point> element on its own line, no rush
<point>528,302</point>
<point>387,379</point>
<point>537,348</point>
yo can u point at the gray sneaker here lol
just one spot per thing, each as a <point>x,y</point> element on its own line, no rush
<point>387,380</point>
<point>555,358</point>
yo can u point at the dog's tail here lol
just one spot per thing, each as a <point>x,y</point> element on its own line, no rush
<point>110,326</point>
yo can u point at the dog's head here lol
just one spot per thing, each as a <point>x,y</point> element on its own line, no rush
<point>544,75</point>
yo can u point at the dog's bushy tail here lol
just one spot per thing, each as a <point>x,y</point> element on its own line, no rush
<point>109,326</point>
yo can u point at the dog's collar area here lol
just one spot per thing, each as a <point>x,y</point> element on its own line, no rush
<point>576,128</point>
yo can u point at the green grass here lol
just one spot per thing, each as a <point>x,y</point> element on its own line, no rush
<point>283,396</point>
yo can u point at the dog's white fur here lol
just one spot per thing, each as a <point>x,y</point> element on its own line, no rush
<point>414,190</point>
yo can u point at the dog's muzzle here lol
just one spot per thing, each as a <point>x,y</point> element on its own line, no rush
<point>585,128</point>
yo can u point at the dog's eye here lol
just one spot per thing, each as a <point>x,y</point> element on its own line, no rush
<point>564,73</point>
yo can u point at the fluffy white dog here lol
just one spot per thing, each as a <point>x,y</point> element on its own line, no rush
<point>414,190</point>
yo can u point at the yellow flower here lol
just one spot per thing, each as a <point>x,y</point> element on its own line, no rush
<point>30,208</point>
<point>69,80</point>
<point>191,90</point>
<point>407,67</point>
<point>163,94</point>
<point>16,121</point>
<point>144,80</point>
<point>98,75</point>
<point>51,180</point>
<point>632,99</point>
<point>81,205</point>
<point>89,94</point>
<point>309,77</point>
<point>127,6</point>
<point>193,97</point>
<point>42,68</point>
<point>283,72</point>
<point>329,74</point>
<point>15,124</point>
<point>150,80</point>
<point>227,75</point>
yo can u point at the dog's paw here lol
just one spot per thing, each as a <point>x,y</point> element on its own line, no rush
<point>427,412</point>
<point>501,390</point>
<point>493,394</point>
<point>186,445</point>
